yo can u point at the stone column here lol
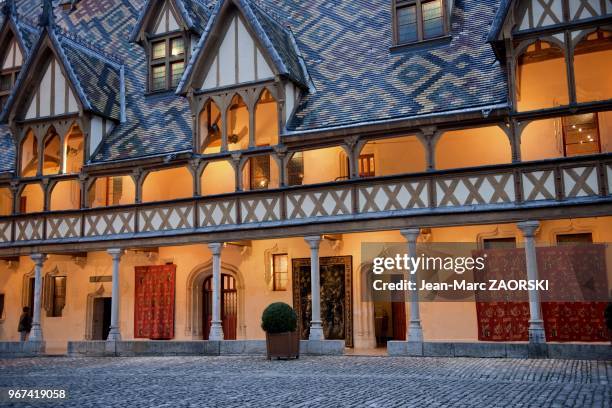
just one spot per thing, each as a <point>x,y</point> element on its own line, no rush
<point>115,334</point>
<point>536,324</point>
<point>216,327</point>
<point>415,331</point>
<point>316,327</point>
<point>36,332</point>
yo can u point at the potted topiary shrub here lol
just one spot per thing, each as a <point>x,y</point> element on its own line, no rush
<point>279,321</point>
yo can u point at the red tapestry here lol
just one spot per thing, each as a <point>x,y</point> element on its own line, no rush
<point>505,319</point>
<point>570,270</point>
<point>154,302</point>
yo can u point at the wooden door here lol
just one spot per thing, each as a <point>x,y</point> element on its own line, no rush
<point>229,307</point>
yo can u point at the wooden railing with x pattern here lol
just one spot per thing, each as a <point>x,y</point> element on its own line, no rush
<point>520,185</point>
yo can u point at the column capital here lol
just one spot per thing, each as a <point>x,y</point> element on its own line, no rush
<point>529,228</point>
<point>215,247</point>
<point>313,241</point>
<point>116,253</point>
<point>38,259</point>
<point>411,234</point>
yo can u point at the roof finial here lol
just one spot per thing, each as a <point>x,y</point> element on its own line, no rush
<point>9,8</point>
<point>47,19</point>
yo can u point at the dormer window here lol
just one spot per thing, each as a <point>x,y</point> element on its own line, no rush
<point>419,20</point>
<point>11,65</point>
<point>167,62</point>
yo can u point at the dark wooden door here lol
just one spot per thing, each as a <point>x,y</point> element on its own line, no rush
<point>229,307</point>
<point>101,318</point>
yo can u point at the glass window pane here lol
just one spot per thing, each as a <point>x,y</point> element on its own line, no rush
<point>59,295</point>
<point>433,25</point>
<point>407,24</point>
<point>177,47</point>
<point>280,271</point>
<point>159,50</point>
<point>177,72</point>
<point>6,82</point>
<point>159,77</point>
<point>296,169</point>
<point>260,172</point>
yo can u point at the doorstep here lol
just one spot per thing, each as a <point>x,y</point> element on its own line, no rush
<point>501,350</point>
<point>101,348</point>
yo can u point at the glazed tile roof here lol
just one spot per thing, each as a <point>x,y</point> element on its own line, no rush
<point>358,78</point>
<point>346,48</point>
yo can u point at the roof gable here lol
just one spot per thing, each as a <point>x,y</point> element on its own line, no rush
<point>240,24</point>
<point>88,78</point>
<point>158,17</point>
<point>11,50</point>
<point>53,95</point>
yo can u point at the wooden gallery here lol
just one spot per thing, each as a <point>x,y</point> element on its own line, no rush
<point>169,168</point>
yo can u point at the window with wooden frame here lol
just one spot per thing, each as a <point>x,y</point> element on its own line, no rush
<point>11,65</point>
<point>581,135</point>
<point>167,57</point>
<point>259,174</point>
<point>419,20</point>
<point>367,166</point>
<point>280,272</point>
<point>575,239</point>
<point>295,169</point>
<point>55,295</point>
<point>499,243</point>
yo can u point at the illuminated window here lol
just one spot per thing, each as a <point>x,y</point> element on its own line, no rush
<point>259,172</point>
<point>295,169</point>
<point>366,165</point>
<point>581,134</point>
<point>167,63</point>
<point>280,268</point>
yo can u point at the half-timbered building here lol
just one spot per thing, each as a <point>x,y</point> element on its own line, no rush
<point>168,168</point>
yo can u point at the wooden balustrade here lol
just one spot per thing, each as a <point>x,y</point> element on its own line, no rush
<point>486,188</point>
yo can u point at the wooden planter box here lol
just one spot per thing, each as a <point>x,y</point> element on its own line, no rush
<point>283,345</point>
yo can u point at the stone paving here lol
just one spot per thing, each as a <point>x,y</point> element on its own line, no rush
<point>345,381</point>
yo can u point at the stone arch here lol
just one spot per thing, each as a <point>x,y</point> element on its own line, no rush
<point>194,298</point>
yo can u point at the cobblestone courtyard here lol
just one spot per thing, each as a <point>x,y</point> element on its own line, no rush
<point>312,382</point>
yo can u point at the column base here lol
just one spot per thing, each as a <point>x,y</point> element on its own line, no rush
<point>216,331</point>
<point>415,332</point>
<point>35,333</point>
<point>114,334</point>
<point>316,331</point>
<point>536,332</point>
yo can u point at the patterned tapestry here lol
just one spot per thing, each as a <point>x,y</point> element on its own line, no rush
<point>336,297</point>
<point>154,297</point>
<point>506,319</point>
<point>570,270</point>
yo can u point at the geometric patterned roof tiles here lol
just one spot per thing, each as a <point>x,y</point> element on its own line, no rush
<point>346,47</point>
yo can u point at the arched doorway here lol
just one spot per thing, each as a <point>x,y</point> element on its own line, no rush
<point>229,306</point>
